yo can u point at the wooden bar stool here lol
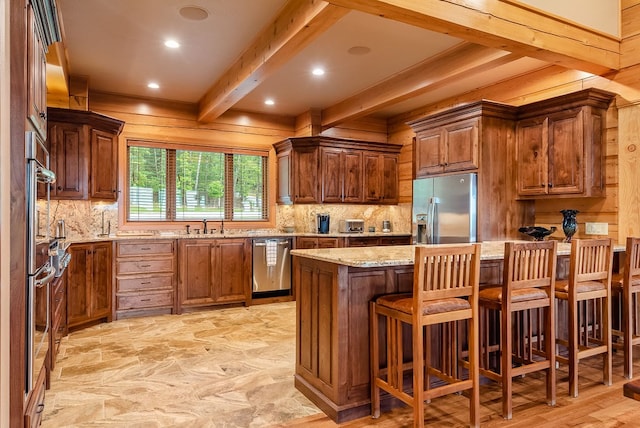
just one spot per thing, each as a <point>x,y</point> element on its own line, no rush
<point>627,285</point>
<point>587,292</point>
<point>526,306</point>
<point>445,294</point>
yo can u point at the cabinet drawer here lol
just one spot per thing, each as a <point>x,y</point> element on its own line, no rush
<point>125,249</point>
<point>145,300</point>
<point>395,240</point>
<point>144,266</point>
<point>144,283</point>
<point>363,241</point>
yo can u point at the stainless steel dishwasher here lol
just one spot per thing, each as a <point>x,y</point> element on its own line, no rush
<point>271,267</point>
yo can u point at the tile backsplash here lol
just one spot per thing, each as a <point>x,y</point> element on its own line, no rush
<point>87,219</point>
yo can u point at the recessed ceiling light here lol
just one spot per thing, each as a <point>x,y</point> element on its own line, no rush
<point>269,102</point>
<point>194,13</point>
<point>153,85</point>
<point>318,71</point>
<point>359,50</point>
<point>170,43</point>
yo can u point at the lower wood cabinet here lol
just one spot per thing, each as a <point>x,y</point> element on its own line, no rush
<point>35,402</point>
<point>145,278</point>
<point>311,242</point>
<point>213,272</point>
<point>58,311</point>
<point>370,241</point>
<point>89,283</point>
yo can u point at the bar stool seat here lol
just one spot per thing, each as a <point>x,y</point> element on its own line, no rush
<point>587,294</point>
<point>626,285</point>
<point>519,314</point>
<point>404,303</point>
<point>442,316</point>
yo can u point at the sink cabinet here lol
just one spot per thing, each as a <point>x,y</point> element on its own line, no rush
<point>333,170</point>
<point>213,272</point>
<point>89,284</point>
<point>84,154</point>
<point>560,146</point>
<point>145,278</point>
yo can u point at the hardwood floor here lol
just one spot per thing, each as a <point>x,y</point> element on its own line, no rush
<point>234,368</point>
<point>596,406</point>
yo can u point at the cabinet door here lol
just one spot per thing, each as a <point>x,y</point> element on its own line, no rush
<point>372,184</point>
<point>428,154</point>
<point>101,280</point>
<point>353,177</point>
<point>79,284</point>
<point>305,170</point>
<point>69,160</point>
<point>332,179</point>
<point>531,154</point>
<point>389,179</point>
<point>461,148</point>
<point>231,281</point>
<point>303,243</point>
<point>284,190</point>
<point>381,178</point>
<point>329,242</point>
<point>104,165</point>
<point>566,148</point>
<point>196,273</point>
<point>37,76</point>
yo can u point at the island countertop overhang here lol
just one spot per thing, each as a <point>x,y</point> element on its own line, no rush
<point>402,255</point>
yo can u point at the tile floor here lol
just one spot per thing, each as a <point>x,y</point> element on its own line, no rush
<point>218,368</point>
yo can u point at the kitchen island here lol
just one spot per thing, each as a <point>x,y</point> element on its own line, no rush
<point>333,288</point>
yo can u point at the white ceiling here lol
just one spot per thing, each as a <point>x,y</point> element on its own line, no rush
<point>118,44</point>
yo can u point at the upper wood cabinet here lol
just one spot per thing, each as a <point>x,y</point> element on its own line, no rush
<point>446,146</point>
<point>84,154</point>
<point>332,170</point>
<point>37,74</point>
<point>560,146</point>
<point>477,137</point>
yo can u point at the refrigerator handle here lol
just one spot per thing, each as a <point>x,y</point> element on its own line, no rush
<point>433,226</point>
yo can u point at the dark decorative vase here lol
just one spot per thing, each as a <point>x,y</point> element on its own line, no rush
<point>569,223</point>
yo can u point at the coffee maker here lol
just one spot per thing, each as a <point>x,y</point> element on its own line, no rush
<point>323,223</point>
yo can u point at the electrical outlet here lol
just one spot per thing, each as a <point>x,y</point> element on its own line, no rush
<point>597,228</point>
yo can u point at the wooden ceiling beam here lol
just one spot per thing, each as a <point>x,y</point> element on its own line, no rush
<point>455,63</point>
<point>299,23</point>
<point>505,25</point>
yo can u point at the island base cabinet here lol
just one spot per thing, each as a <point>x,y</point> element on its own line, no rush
<point>213,272</point>
<point>332,355</point>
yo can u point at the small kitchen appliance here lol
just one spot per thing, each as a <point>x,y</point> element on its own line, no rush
<point>351,225</point>
<point>386,226</point>
<point>323,223</point>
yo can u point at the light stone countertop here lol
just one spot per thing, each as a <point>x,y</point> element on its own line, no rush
<point>232,233</point>
<point>402,255</point>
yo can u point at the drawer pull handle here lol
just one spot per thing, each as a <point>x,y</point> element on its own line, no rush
<point>145,283</point>
<point>40,408</point>
<point>145,248</point>
<point>145,265</point>
<point>145,300</point>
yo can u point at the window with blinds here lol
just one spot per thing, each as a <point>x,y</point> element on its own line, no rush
<point>178,183</point>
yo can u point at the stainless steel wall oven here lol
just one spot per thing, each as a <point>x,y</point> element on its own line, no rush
<point>40,248</point>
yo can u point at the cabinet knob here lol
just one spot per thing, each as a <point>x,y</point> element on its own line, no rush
<point>543,185</point>
<point>59,187</point>
<point>43,115</point>
<point>550,184</point>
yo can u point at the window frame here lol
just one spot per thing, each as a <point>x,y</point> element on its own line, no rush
<point>268,187</point>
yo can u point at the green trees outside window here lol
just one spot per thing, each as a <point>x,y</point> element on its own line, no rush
<point>173,184</point>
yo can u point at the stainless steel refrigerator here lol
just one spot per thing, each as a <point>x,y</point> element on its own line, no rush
<point>445,209</point>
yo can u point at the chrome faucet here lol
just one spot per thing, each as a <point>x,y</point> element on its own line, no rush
<point>204,226</point>
<point>222,226</point>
